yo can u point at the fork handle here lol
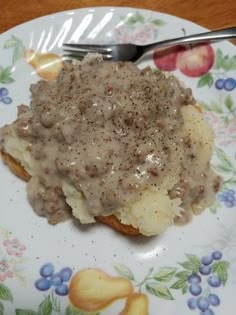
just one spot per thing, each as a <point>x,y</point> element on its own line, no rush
<point>213,36</point>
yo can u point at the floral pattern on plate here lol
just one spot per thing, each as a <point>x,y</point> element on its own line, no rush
<point>137,28</point>
<point>201,283</point>
<point>12,256</point>
<point>92,290</point>
<point>4,96</point>
<point>12,265</point>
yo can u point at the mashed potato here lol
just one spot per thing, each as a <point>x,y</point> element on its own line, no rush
<point>153,212</point>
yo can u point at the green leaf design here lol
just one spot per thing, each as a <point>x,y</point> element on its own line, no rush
<point>229,63</point>
<point>1,308</point>
<point>45,308</point>
<point>14,41</point>
<point>229,102</point>
<point>164,274</point>
<point>185,289</point>
<point>180,284</point>
<point>159,291</point>
<point>10,43</point>
<point>25,312</point>
<point>221,269</point>
<point>55,303</point>
<point>6,71</point>
<point>18,48</point>
<point>218,59</point>
<point>18,53</point>
<point>70,310</point>
<point>192,264</point>
<point>206,79</point>
<point>5,293</point>
<point>5,75</point>
<point>194,259</point>
<point>158,22</point>
<point>124,271</point>
<point>7,80</point>
<point>187,265</point>
<point>136,18</point>
<point>223,158</point>
<point>183,275</point>
<point>216,107</point>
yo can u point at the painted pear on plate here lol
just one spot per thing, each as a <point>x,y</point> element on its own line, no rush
<point>46,65</point>
<point>136,304</point>
<point>92,290</point>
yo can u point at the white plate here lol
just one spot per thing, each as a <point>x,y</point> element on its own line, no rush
<point>156,266</point>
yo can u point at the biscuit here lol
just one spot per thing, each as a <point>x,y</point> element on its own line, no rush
<point>109,220</point>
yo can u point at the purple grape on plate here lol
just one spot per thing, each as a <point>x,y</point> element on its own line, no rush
<point>228,198</point>
<point>66,274</point>
<point>206,260</point>
<point>47,270</point>
<point>195,289</point>
<point>194,278</point>
<point>214,299</point>
<point>3,96</point>
<point>3,92</point>
<point>230,204</point>
<point>62,289</point>
<point>192,303</point>
<point>56,279</point>
<point>203,303</point>
<point>219,84</point>
<point>43,284</point>
<point>229,84</point>
<point>216,255</point>
<point>205,270</point>
<point>208,312</point>
<point>214,281</point>
<point>231,192</point>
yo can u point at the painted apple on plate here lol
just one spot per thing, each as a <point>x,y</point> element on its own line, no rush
<point>192,62</point>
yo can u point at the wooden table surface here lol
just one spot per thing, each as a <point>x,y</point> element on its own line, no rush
<point>212,14</point>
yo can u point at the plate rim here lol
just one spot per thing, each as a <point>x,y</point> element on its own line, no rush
<point>109,7</point>
<point>63,13</point>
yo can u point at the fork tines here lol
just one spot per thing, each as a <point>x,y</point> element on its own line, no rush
<point>78,51</point>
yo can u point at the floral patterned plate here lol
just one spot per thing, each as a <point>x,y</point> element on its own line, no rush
<point>190,269</point>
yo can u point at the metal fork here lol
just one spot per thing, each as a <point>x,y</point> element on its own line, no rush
<point>132,52</point>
